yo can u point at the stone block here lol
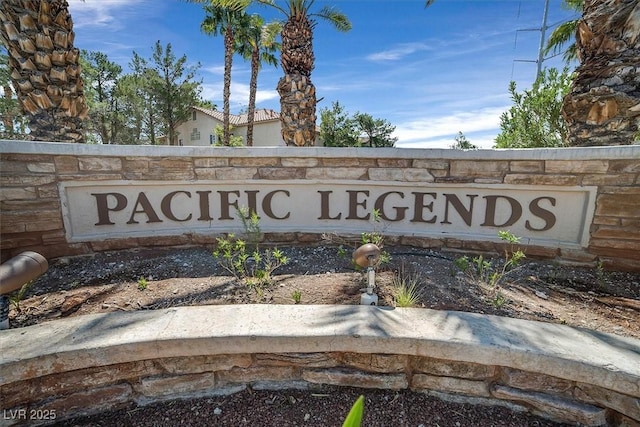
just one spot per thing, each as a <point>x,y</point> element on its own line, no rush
<point>26,180</point>
<point>534,381</point>
<point>200,364</point>
<point>258,373</point>
<point>7,167</point>
<point>606,220</point>
<point>576,166</point>
<point>337,173</point>
<point>306,360</point>
<point>431,164</point>
<point>477,168</point>
<point>18,193</point>
<point>352,378</point>
<point>420,242</point>
<point>386,174</point>
<point>254,161</point>
<point>554,406</point>
<point>577,255</point>
<point>66,164</point>
<point>627,405</point>
<point>624,166</point>
<point>618,205</point>
<point>236,173</point>
<point>175,384</point>
<point>49,191</point>
<point>619,233</point>
<point>90,176</point>
<point>619,179</point>
<point>115,244</point>
<point>298,162</point>
<point>526,166</point>
<point>135,165</point>
<point>87,402</point>
<point>539,179</point>
<point>450,385</point>
<point>384,363</point>
<point>281,173</point>
<point>93,164</point>
<point>394,163</point>
<point>348,162</point>
<point>213,162</point>
<point>418,175</point>
<point>41,167</point>
<point>205,173</point>
<point>448,368</point>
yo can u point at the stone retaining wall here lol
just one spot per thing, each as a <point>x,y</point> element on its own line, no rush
<point>90,364</point>
<point>31,175</point>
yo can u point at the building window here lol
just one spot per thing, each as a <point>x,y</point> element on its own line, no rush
<point>193,115</point>
<point>195,135</point>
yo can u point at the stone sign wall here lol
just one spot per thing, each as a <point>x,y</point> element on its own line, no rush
<point>575,205</point>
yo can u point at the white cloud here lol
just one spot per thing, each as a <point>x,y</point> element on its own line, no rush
<point>441,131</point>
<point>398,52</point>
<point>239,95</point>
<point>101,13</point>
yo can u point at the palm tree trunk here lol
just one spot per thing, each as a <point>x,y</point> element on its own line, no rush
<point>603,107</point>
<point>253,88</point>
<point>297,109</point>
<point>45,67</point>
<point>226,93</point>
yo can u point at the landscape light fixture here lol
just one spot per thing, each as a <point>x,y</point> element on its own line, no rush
<point>367,256</point>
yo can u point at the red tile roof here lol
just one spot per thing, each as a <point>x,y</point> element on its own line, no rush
<point>261,115</point>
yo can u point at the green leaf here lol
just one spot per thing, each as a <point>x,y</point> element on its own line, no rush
<point>354,418</point>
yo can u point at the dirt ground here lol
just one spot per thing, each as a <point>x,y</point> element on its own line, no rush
<point>150,279</point>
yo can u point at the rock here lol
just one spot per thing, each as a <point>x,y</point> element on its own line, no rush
<point>72,303</point>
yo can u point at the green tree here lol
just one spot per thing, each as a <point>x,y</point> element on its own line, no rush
<point>175,90</point>
<point>462,143</point>
<point>564,33</point>
<point>377,132</point>
<point>100,78</point>
<point>337,129</point>
<point>13,123</point>
<point>257,43</point>
<point>535,119</point>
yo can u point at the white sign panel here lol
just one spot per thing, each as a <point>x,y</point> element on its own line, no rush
<point>549,216</point>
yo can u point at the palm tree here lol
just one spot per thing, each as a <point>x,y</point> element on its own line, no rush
<point>44,66</point>
<point>297,93</point>
<point>225,21</point>
<point>258,44</point>
<point>603,106</point>
<point>564,33</point>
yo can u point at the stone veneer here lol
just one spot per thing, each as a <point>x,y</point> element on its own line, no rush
<point>30,174</point>
<point>88,364</point>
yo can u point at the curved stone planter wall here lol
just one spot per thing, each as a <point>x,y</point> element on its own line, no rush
<point>88,364</point>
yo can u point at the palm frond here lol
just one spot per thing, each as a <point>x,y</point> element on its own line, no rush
<point>337,18</point>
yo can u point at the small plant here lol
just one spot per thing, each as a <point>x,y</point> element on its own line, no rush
<point>17,296</point>
<point>142,283</point>
<point>354,418</point>
<point>405,288</point>
<point>499,300</point>
<point>248,264</point>
<point>296,296</point>
<point>601,274</point>
<point>483,271</point>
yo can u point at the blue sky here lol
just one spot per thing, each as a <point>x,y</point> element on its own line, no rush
<point>430,72</point>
